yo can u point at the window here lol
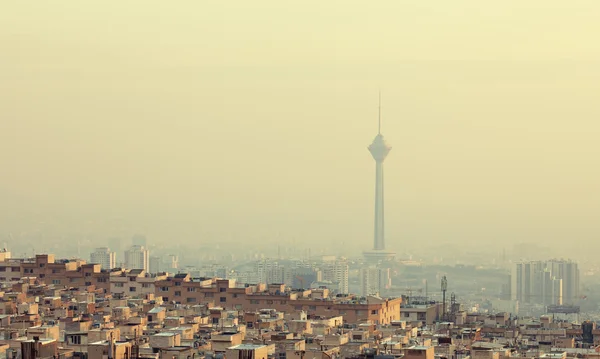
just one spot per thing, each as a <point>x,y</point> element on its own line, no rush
<point>191,289</point>
<point>76,339</point>
<point>166,299</point>
<point>269,302</point>
<point>101,280</point>
<point>54,271</point>
<point>88,274</point>
<point>119,285</point>
<point>145,285</point>
<point>283,302</point>
<point>253,301</point>
<point>88,283</point>
<point>2,269</point>
<point>222,290</point>
<point>132,289</point>
<point>223,299</point>
<point>235,295</point>
<point>312,307</point>
<point>297,307</point>
<point>191,300</point>
<point>374,311</point>
<point>164,289</point>
<point>178,293</point>
<point>208,295</point>
<point>132,279</point>
<point>178,284</point>
<point>42,275</point>
<point>42,265</point>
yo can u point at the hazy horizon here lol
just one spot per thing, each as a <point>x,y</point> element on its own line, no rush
<point>254,118</point>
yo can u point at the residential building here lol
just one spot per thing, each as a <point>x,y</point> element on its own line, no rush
<point>105,257</point>
<point>553,282</point>
<point>336,271</point>
<point>137,257</point>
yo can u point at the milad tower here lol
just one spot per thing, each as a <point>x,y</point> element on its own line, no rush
<point>379,150</point>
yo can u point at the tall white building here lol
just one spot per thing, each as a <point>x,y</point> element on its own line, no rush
<point>137,257</point>
<point>336,271</point>
<point>105,257</point>
<point>267,271</point>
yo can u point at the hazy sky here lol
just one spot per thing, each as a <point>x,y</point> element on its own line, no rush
<point>190,116</point>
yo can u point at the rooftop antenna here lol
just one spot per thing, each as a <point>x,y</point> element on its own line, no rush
<point>379,117</point>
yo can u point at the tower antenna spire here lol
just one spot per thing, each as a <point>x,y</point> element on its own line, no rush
<point>379,117</point>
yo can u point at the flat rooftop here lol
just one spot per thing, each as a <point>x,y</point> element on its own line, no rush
<point>247,347</point>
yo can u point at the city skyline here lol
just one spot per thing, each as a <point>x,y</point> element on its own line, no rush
<point>217,126</point>
<point>190,180</point>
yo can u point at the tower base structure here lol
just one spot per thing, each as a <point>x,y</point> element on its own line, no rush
<point>376,256</point>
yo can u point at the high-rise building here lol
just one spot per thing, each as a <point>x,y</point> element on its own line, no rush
<point>553,282</point>
<point>336,271</point>
<point>154,265</point>
<point>374,281</point>
<point>105,257</point>
<point>568,272</point>
<point>137,257</point>
<point>379,150</point>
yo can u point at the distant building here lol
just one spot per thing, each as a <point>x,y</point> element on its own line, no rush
<point>172,262</point>
<point>267,271</point>
<point>374,281</point>
<point>553,282</point>
<point>568,272</point>
<point>139,240</point>
<point>105,257</point>
<point>137,257</point>
<point>155,265</point>
<point>303,278</point>
<point>336,271</point>
<point>168,264</point>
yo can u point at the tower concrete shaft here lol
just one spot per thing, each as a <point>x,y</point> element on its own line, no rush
<point>379,150</point>
<point>379,236</point>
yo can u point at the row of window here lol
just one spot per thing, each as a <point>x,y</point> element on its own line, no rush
<point>30,271</point>
<point>121,285</point>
